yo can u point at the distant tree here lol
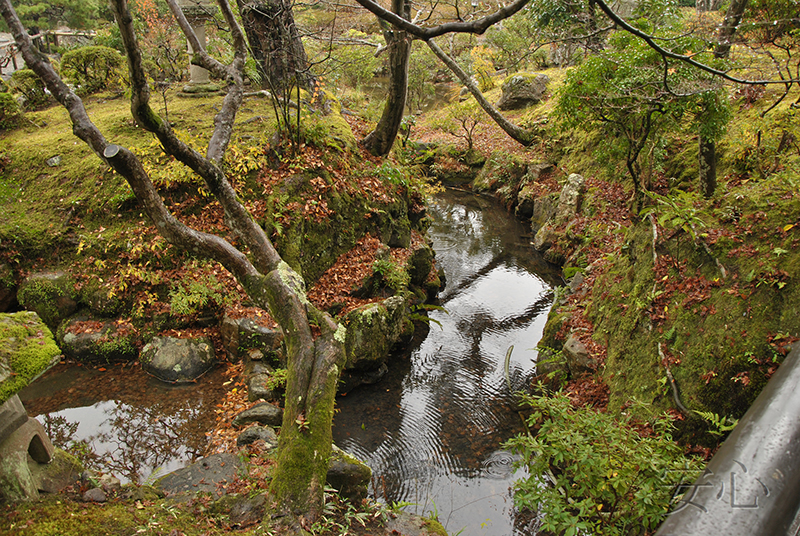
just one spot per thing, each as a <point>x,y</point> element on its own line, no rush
<point>635,97</point>
<point>37,15</point>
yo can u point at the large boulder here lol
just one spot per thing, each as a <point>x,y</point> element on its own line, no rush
<point>372,330</point>
<point>98,340</point>
<point>177,360</point>
<point>51,295</point>
<point>571,198</point>
<point>521,90</point>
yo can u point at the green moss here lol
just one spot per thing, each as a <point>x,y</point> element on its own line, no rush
<point>27,349</point>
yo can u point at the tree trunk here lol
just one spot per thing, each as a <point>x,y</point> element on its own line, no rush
<point>708,147</point>
<point>729,26</point>
<point>276,46</point>
<point>379,142</point>
<point>708,166</point>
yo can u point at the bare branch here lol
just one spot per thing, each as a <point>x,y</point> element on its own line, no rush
<point>651,42</point>
<point>475,27</point>
<point>515,132</point>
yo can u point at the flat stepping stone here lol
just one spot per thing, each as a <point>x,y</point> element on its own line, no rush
<point>265,414</point>
<point>209,475</point>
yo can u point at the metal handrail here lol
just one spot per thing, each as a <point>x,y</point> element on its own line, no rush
<point>752,484</point>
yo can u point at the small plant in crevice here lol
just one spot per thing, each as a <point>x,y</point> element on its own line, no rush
<point>191,296</point>
<point>390,275</point>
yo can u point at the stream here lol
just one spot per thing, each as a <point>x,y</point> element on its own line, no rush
<point>432,429</point>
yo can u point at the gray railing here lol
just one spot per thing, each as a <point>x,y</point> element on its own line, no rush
<point>751,486</point>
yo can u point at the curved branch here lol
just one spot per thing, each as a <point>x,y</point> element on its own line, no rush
<point>198,48</point>
<point>476,27</point>
<point>265,256</point>
<point>651,42</point>
<point>517,133</point>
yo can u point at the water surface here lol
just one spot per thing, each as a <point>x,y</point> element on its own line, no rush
<point>433,429</point>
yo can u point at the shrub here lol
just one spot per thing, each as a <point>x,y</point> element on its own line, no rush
<point>93,68</point>
<point>592,474</point>
<point>26,82</point>
<point>10,114</point>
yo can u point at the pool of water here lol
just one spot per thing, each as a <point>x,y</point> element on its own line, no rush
<point>122,421</point>
<point>433,429</point>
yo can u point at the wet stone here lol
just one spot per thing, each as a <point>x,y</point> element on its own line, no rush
<point>264,413</point>
<point>258,433</point>
<point>257,388</point>
<point>95,495</point>
<point>208,475</point>
<point>177,360</point>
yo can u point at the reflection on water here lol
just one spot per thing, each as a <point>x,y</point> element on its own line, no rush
<point>122,421</point>
<point>432,429</point>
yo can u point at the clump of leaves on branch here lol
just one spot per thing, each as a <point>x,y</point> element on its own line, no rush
<point>636,97</point>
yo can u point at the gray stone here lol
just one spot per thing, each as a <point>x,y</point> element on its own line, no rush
<point>64,470</point>
<point>110,483</point>
<point>243,511</point>
<point>347,475</point>
<point>177,360</point>
<point>258,433</point>
<point>545,238</point>
<point>577,356</point>
<point>257,388</point>
<point>576,282</point>
<point>242,334</point>
<point>264,413</point>
<point>209,475</point>
<point>521,90</point>
<point>569,202</point>
<point>544,208</point>
<point>12,416</point>
<point>409,524</point>
<point>53,161</point>
<point>95,495</point>
<point>372,330</point>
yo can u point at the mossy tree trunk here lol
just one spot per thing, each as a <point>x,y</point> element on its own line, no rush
<point>314,357</point>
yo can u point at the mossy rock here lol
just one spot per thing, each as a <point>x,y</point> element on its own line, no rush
<point>371,331</point>
<point>99,341</point>
<point>27,349</point>
<point>501,169</point>
<point>51,295</point>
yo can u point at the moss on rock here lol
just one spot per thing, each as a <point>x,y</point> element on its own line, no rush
<point>27,349</point>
